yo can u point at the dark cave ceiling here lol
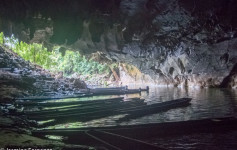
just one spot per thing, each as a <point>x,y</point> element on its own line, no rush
<point>169,40</point>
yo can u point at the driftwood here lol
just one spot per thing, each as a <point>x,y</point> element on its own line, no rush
<point>114,73</point>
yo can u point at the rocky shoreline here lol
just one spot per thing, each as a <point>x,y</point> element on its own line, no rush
<point>19,78</point>
<point>16,133</point>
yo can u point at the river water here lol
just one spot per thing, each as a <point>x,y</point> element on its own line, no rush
<point>206,103</point>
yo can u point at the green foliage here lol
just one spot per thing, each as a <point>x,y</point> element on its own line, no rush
<point>1,38</point>
<point>71,62</point>
<point>114,65</point>
<point>74,62</point>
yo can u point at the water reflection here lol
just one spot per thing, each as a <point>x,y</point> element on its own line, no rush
<point>200,141</point>
<point>206,103</point>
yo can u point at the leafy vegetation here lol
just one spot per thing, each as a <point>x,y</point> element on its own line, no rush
<point>71,62</point>
<point>1,38</point>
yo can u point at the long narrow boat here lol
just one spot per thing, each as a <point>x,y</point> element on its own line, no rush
<point>43,98</point>
<point>86,108</point>
<point>134,110</point>
<point>116,88</point>
<point>57,104</point>
<point>89,93</point>
<point>140,132</point>
<point>86,112</point>
<point>114,91</point>
<point>118,109</point>
<point>140,111</point>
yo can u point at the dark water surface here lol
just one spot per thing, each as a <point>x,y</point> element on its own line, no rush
<point>206,103</point>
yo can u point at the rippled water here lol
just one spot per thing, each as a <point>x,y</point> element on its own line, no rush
<point>206,103</point>
<point>200,141</point>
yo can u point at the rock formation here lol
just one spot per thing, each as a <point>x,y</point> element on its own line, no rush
<point>19,78</point>
<point>231,79</point>
<point>166,42</point>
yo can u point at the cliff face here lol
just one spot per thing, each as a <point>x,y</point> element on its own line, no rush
<point>174,42</point>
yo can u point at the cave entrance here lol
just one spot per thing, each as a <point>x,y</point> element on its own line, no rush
<point>61,61</point>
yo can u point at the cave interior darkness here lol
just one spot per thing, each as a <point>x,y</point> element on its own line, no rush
<point>118,74</point>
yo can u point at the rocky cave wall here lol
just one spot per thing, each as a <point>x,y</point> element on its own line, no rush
<point>163,42</point>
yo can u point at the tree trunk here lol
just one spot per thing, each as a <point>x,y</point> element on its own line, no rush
<point>115,74</point>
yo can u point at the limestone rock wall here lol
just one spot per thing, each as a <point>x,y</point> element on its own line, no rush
<point>170,42</point>
<point>191,65</point>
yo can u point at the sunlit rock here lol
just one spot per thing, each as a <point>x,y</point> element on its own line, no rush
<point>174,42</point>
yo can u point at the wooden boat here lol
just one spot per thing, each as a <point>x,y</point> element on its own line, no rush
<point>113,88</point>
<point>122,108</point>
<point>57,104</point>
<point>106,136</point>
<point>114,91</point>
<point>118,89</point>
<point>82,108</point>
<point>133,111</point>
<point>140,111</point>
<point>43,98</point>
<point>86,93</point>
<point>81,112</point>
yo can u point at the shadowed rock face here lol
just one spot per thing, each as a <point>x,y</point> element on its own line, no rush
<point>174,42</point>
<point>231,79</point>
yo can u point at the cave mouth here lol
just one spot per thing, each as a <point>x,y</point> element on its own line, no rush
<point>118,74</point>
<point>62,62</point>
<point>173,43</point>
